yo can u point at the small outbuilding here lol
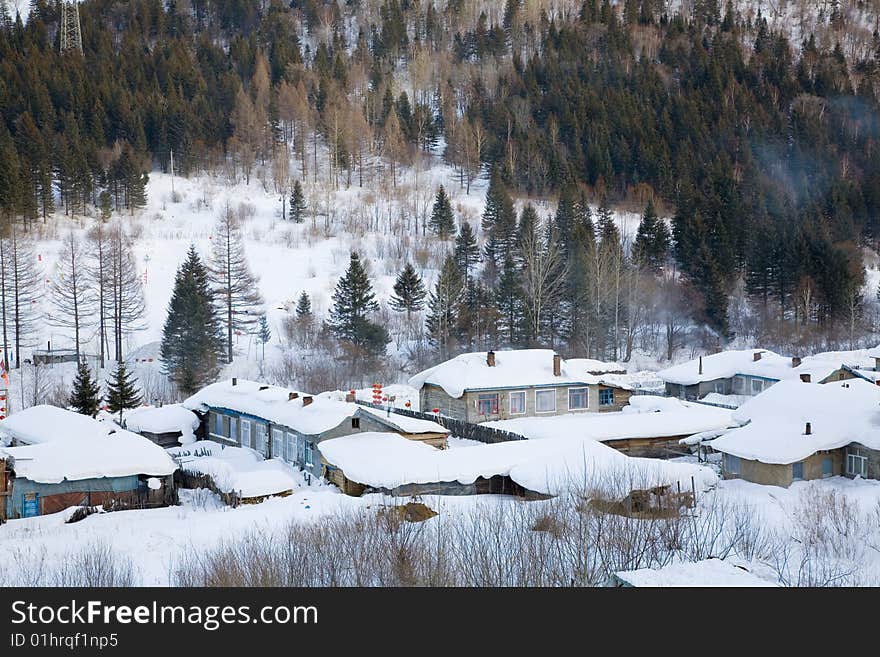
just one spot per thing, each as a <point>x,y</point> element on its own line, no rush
<point>167,426</point>
<point>708,572</point>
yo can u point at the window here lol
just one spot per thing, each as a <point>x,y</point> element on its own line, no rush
<point>797,471</point>
<point>355,423</point>
<point>731,464</point>
<point>233,429</point>
<point>757,386</point>
<point>827,467</point>
<point>577,399</point>
<point>739,386</point>
<point>545,401</point>
<point>245,433</point>
<point>218,424</point>
<point>518,402</point>
<point>718,387</point>
<point>606,397</point>
<point>856,465</point>
<point>487,404</point>
<point>309,451</point>
<point>277,442</point>
<point>290,447</point>
<point>261,443</point>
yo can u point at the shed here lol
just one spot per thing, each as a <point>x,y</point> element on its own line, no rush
<point>167,426</point>
<point>708,572</point>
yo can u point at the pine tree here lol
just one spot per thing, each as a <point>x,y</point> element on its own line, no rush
<point>235,287</point>
<point>297,204</point>
<point>651,246</point>
<point>122,392</point>
<point>442,307</point>
<point>85,398</point>
<point>192,343</point>
<point>264,333</point>
<point>499,221</point>
<point>467,251</point>
<point>509,299</point>
<point>409,292</point>
<point>353,301</point>
<point>303,306</point>
<point>105,205</point>
<point>442,220</point>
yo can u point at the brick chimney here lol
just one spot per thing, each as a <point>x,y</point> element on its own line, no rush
<point>805,377</point>
<point>490,359</point>
<point>557,365</point>
<point>756,356</point>
<point>292,395</point>
<point>808,430</point>
<point>795,361</point>
<point>307,400</point>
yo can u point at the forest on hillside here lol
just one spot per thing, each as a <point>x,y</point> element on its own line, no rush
<point>762,151</point>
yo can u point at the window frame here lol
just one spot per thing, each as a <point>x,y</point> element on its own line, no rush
<point>760,384</point>
<point>550,391</point>
<point>857,458</point>
<point>606,391</point>
<point>586,393</point>
<point>830,462</point>
<point>245,427</point>
<point>798,465</point>
<point>729,461</point>
<point>510,396</point>
<point>483,397</point>
<point>309,454</point>
<point>274,432</point>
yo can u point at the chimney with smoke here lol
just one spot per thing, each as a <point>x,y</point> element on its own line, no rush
<point>557,365</point>
<point>490,359</point>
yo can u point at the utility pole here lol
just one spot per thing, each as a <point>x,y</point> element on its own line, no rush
<point>71,35</point>
<point>172,172</point>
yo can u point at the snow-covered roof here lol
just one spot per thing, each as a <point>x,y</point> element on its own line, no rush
<point>515,369</point>
<point>387,460</point>
<point>727,364</point>
<point>709,572</point>
<point>273,404</point>
<point>839,413</point>
<point>162,419</point>
<point>63,445</point>
<point>238,469</point>
<point>646,416</point>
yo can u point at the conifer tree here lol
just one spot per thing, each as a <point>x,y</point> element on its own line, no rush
<point>297,204</point>
<point>442,307</point>
<point>303,306</point>
<point>122,392</point>
<point>85,398</point>
<point>442,220</point>
<point>651,246</point>
<point>235,288</point>
<point>467,251</point>
<point>353,301</point>
<point>409,292</point>
<point>499,221</point>
<point>192,343</point>
<point>264,333</point>
<point>509,299</point>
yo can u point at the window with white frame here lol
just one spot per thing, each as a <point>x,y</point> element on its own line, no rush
<point>309,454</point>
<point>731,464</point>
<point>518,402</point>
<point>739,385</point>
<point>487,403</point>
<point>218,424</point>
<point>856,465</point>
<point>545,401</point>
<point>290,447</point>
<point>277,442</point>
<point>757,386</point>
<point>233,429</point>
<point>578,399</point>
<point>261,444</point>
<point>245,433</point>
<point>718,387</point>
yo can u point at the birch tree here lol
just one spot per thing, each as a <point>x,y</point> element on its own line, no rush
<point>72,295</point>
<point>543,279</point>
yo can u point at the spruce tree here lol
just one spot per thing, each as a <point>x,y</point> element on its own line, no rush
<point>442,220</point>
<point>509,299</point>
<point>467,251</point>
<point>122,392</point>
<point>264,333</point>
<point>443,305</point>
<point>192,343</point>
<point>651,246</point>
<point>303,306</point>
<point>353,301</point>
<point>85,398</point>
<point>297,204</point>
<point>499,221</point>
<point>409,292</point>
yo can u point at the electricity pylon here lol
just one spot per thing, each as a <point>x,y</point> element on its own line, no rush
<point>71,36</point>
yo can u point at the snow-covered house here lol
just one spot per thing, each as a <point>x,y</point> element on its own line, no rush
<point>386,462</point>
<point>54,458</point>
<point>748,372</point>
<point>484,386</point>
<point>708,572</point>
<point>167,426</point>
<point>798,431</point>
<point>285,424</point>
